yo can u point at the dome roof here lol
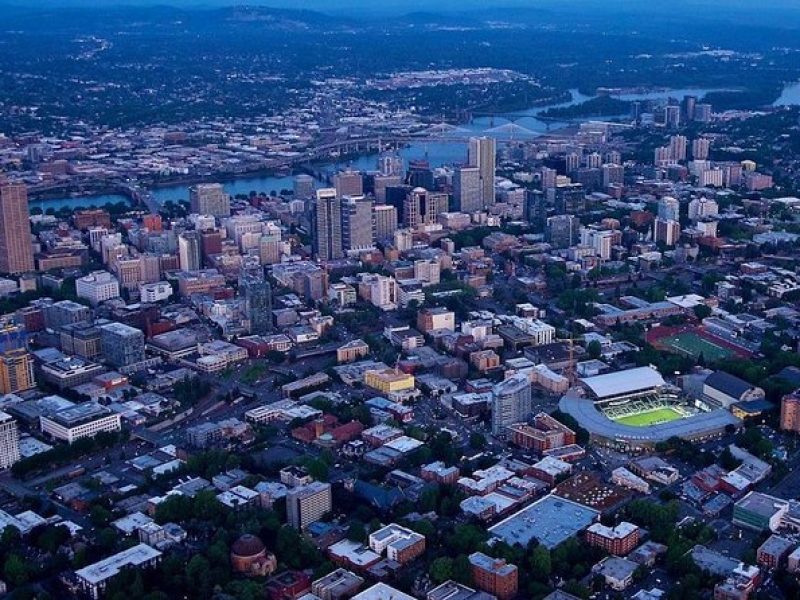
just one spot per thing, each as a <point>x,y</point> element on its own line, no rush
<point>248,545</point>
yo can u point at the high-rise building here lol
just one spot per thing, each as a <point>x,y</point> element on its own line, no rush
<point>121,344</point>
<point>257,294</point>
<point>467,189</point>
<point>308,503</point>
<point>16,250</point>
<point>790,413</point>
<point>666,231</point>
<point>536,209</point>
<point>700,208</point>
<point>303,187</point>
<point>672,116</point>
<point>702,113</point>
<point>701,148</point>
<point>97,287</point>
<point>358,225</point>
<point>390,164</point>
<point>572,162</point>
<point>511,402</point>
<point>677,147</point>
<point>419,174</point>
<point>380,184</point>
<point>483,155</point>
<point>385,221</point>
<point>548,178</point>
<point>569,199</point>
<point>594,160</point>
<point>562,230</point>
<point>190,253</point>
<point>663,156</point>
<point>209,199</point>
<point>16,371</point>
<point>9,441</point>
<point>326,219</point>
<point>422,207</point>
<point>613,174</point>
<point>601,240</point>
<point>689,105</point>
<point>669,209</point>
<point>348,183</point>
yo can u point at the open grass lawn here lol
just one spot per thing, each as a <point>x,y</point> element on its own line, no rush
<point>651,417</point>
<point>694,345</point>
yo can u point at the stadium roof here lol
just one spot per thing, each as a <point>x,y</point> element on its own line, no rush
<point>623,382</point>
<point>728,384</point>
<point>592,419</point>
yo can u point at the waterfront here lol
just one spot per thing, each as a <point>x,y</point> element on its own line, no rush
<point>516,125</point>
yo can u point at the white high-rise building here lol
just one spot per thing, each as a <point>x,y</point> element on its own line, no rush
<point>97,287</point>
<point>358,224</point>
<point>209,199</point>
<point>190,256</point>
<point>669,209</point>
<point>600,240</point>
<point>701,147</point>
<point>9,441</point>
<point>511,402</point>
<point>677,147</point>
<point>467,189</point>
<point>483,155</point>
<point>385,221</point>
<point>700,208</point>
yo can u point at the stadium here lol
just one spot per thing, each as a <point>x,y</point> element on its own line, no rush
<point>635,409</point>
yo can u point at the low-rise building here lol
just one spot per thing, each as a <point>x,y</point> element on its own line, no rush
<point>494,576</point>
<point>618,540</point>
<point>94,578</point>
<point>80,421</point>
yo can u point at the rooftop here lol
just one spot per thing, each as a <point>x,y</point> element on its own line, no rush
<point>108,567</point>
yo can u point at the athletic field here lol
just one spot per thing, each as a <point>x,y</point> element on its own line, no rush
<point>650,417</point>
<point>691,344</point>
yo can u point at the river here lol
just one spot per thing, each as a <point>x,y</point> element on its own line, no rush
<point>518,125</point>
<point>790,96</point>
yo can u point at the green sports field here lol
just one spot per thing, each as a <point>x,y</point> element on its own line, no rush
<point>651,417</point>
<point>693,345</point>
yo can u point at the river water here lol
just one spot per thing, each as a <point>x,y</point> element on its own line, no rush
<point>519,125</point>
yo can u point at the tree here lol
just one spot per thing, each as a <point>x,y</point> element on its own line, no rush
<point>594,349</point>
<point>477,441</point>
<point>441,569</point>
<point>197,574</point>
<point>701,311</point>
<point>15,570</point>
<point>540,563</point>
<point>357,532</point>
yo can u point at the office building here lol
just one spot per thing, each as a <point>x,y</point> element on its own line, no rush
<point>467,190</point>
<point>390,165</point>
<point>422,208</point>
<point>308,503</point>
<point>337,585</point>
<point>80,421</point>
<point>348,183</point>
<point>257,294</point>
<point>358,225</point>
<point>536,209</point>
<point>419,174</point>
<point>326,225</point>
<point>569,199</point>
<point>494,575</point>
<point>511,402</point>
<point>483,155</point>
<point>562,231</point>
<point>16,371</point>
<point>702,113</point>
<point>97,287</point>
<point>190,256</point>
<point>385,222</point>
<point>209,199</point>
<point>16,250</point>
<point>303,187</point>
<point>9,441</point>
<point>65,312</point>
<point>121,344</point>
<point>613,175</point>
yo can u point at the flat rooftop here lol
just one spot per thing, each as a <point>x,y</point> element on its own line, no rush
<point>551,520</point>
<point>108,567</point>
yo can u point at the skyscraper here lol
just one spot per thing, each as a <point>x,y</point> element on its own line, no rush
<point>677,147</point>
<point>358,225</point>
<point>190,251</point>
<point>536,209</point>
<point>327,225</point>
<point>483,155</point>
<point>467,189</point>
<point>209,199</point>
<point>385,221</point>
<point>16,251</point>
<point>257,294</point>
<point>701,148</point>
<point>9,441</point>
<point>511,402</point>
<point>16,372</point>
<point>303,187</point>
<point>562,230</point>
